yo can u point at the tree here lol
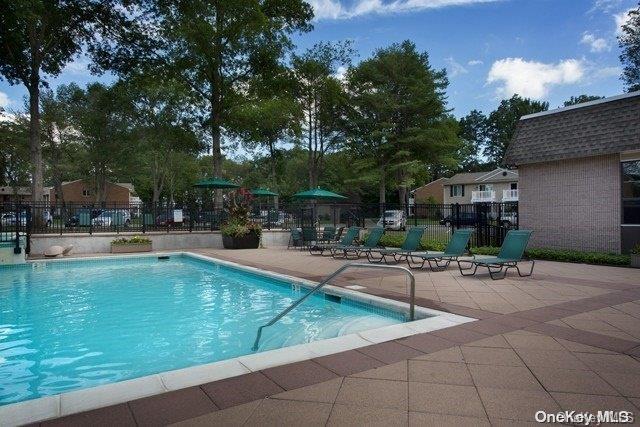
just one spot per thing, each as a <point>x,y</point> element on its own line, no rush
<point>501,125</point>
<point>321,97</point>
<point>163,128</point>
<point>580,99</point>
<point>473,136</point>
<point>213,47</point>
<point>37,39</point>
<point>101,115</point>
<point>14,156</point>
<point>399,122</point>
<point>629,42</point>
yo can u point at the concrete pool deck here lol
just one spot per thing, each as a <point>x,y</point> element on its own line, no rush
<point>567,338</point>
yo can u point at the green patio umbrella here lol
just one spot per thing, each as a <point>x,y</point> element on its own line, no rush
<point>318,193</point>
<point>215,183</point>
<point>261,192</point>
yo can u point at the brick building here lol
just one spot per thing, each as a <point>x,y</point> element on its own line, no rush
<point>82,191</point>
<point>579,170</point>
<point>431,191</point>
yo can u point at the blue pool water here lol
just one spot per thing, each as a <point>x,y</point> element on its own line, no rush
<point>78,324</point>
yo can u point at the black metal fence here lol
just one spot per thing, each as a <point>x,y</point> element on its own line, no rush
<point>491,221</point>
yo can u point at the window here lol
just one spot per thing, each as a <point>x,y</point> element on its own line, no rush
<point>631,192</point>
<point>514,186</point>
<point>86,192</point>
<point>485,187</point>
<point>456,191</point>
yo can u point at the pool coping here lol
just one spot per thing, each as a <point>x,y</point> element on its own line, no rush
<point>76,401</point>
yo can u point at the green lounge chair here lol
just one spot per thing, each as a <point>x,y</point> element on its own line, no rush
<point>309,237</point>
<point>347,240</point>
<point>354,251</point>
<point>410,245</point>
<point>511,253</point>
<point>455,248</point>
<point>328,234</point>
<point>295,238</point>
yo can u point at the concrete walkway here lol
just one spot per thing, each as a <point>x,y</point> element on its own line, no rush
<point>568,338</point>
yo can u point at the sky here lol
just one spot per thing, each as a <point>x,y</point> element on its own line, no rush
<point>542,49</point>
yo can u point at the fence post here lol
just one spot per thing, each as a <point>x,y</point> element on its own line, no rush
<point>16,250</point>
<point>457,211</point>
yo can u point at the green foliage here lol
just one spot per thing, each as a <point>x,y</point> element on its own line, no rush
<point>135,240</point>
<point>629,42</point>
<point>239,224</point>
<point>562,255</point>
<point>501,125</point>
<point>636,249</point>
<point>399,121</point>
<point>396,240</point>
<point>580,99</point>
<point>14,155</point>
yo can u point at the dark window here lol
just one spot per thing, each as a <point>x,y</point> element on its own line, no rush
<point>631,192</point>
<point>514,185</point>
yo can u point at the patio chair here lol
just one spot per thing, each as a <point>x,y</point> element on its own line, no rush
<point>320,248</point>
<point>295,238</point>
<point>328,234</point>
<point>410,245</point>
<point>338,234</point>
<point>455,249</point>
<point>354,251</point>
<point>511,253</point>
<point>309,237</point>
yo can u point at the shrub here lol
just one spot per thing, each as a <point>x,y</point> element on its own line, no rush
<point>135,240</point>
<point>636,249</point>
<point>563,255</point>
<point>239,223</point>
<point>396,240</point>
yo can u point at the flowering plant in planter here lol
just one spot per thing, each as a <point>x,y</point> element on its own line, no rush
<point>239,232</point>
<point>133,244</point>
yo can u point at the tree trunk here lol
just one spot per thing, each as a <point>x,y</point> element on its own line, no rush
<point>382,186</point>
<point>35,147</point>
<point>216,153</point>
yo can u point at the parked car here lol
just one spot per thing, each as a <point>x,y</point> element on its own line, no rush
<point>9,219</point>
<point>102,220</point>
<point>393,220</point>
<point>465,218</point>
<point>74,220</point>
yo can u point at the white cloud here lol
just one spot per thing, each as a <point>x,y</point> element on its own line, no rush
<point>336,9</point>
<point>606,72</point>
<point>4,100</point>
<point>455,68</point>
<point>533,79</point>
<point>78,67</point>
<point>621,19</point>
<point>474,62</point>
<point>605,5</point>
<point>596,44</point>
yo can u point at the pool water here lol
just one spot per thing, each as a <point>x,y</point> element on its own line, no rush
<point>77,324</point>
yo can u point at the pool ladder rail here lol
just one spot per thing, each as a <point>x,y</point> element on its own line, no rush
<point>412,293</point>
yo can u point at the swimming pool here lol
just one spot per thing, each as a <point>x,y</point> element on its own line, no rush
<point>77,324</point>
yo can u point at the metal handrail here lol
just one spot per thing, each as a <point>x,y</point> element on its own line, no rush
<point>412,293</point>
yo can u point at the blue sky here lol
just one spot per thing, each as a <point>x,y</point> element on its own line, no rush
<point>543,49</point>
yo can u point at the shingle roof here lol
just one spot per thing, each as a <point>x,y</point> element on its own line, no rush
<point>605,126</point>
<point>495,175</point>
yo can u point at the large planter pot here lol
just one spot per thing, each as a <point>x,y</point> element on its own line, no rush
<point>131,247</point>
<point>250,240</point>
<point>635,260</point>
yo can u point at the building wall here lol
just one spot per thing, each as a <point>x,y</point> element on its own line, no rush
<point>572,204</point>
<point>468,188</point>
<point>73,193</point>
<point>433,189</point>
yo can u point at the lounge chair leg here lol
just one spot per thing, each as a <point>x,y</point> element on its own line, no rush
<point>472,264</point>
<point>533,263</point>
<point>494,274</point>
<point>438,266</point>
<point>415,266</point>
<point>374,260</point>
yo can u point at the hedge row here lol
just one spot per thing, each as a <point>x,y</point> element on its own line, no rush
<point>599,258</point>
